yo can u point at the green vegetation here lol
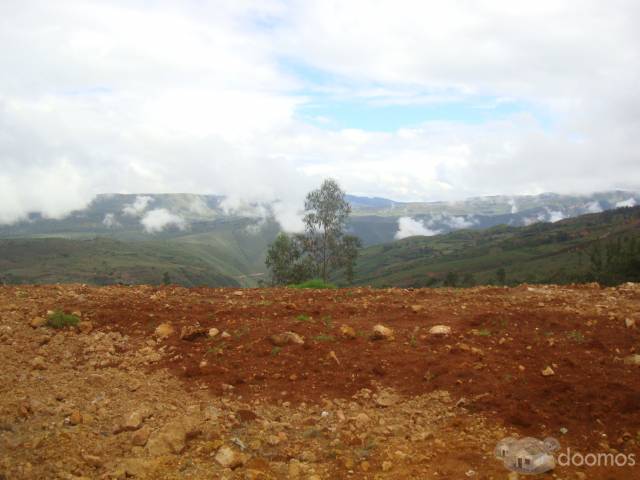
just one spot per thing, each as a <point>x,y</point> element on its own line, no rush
<point>603,247</point>
<point>323,248</point>
<point>303,318</point>
<point>59,319</point>
<point>275,351</point>
<point>314,283</point>
<point>323,337</point>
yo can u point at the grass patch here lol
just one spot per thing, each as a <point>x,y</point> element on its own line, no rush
<point>304,318</point>
<point>275,351</point>
<point>328,322</point>
<point>315,283</point>
<point>484,332</point>
<point>576,336</point>
<point>324,338</point>
<point>60,319</point>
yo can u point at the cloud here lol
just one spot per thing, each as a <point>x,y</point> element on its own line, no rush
<point>409,227</point>
<point>138,206</point>
<point>157,220</point>
<point>593,207</point>
<point>629,202</point>
<point>110,221</point>
<point>101,99</point>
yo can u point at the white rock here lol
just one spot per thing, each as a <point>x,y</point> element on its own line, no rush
<point>440,330</point>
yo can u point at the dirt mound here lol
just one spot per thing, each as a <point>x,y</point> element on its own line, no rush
<point>291,384</point>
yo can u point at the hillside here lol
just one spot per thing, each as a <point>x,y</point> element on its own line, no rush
<point>541,253</point>
<point>173,383</point>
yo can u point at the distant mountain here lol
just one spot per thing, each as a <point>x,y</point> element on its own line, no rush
<point>198,232</point>
<point>602,246</point>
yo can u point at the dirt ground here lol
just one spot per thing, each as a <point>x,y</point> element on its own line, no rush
<point>281,383</point>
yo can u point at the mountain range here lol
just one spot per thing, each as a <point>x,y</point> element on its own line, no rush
<point>194,239</point>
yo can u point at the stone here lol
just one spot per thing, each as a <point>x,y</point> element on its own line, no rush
<point>75,418</point>
<point>225,335</point>
<point>362,419</point>
<point>92,460</point>
<point>632,359</point>
<point>380,332</point>
<point>548,372</point>
<point>417,308</point>
<point>213,332</point>
<point>386,399</point>
<point>37,322</point>
<point>85,326</point>
<point>440,330</point>
<point>38,363</point>
<point>386,466</point>
<point>164,330</point>
<point>172,438</point>
<point>141,436</point>
<point>229,457</point>
<point>132,422</point>
<point>347,332</point>
<point>191,332</point>
<point>294,470</point>
<point>630,322</point>
<point>286,338</point>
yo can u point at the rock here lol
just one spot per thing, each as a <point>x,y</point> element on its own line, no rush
<point>380,332</point>
<point>282,339</point>
<point>632,359</point>
<point>92,460</point>
<point>132,422</point>
<point>225,335</point>
<point>294,470</point>
<point>140,437</point>
<point>213,332</point>
<point>172,438</point>
<point>37,322</point>
<point>332,355</point>
<point>417,308</point>
<point>362,419</point>
<point>629,322</point>
<point>229,458</point>
<point>386,466</point>
<point>347,332</point>
<point>75,418</point>
<point>164,330</point>
<point>85,326</point>
<point>386,399</point>
<point>513,476</point>
<point>440,330</point>
<point>191,332</point>
<point>38,363</point>
<point>548,372</point>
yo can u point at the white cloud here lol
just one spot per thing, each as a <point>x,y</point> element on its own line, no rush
<point>159,219</point>
<point>138,206</point>
<point>629,202</point>
<point>409,227</point>
<point>593,207</point>
<point>110,221</point>
<point>201,97</point>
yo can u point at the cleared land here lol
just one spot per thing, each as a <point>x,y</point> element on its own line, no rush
<point>118,396</point>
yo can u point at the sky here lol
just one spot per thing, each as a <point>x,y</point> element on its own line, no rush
<point>261,100</point>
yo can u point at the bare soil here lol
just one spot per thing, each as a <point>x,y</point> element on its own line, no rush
<point>340,405</point>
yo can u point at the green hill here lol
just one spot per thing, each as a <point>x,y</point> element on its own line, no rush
<point>603,246</point>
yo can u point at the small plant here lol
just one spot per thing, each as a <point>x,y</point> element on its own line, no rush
<point>315,283</point>
<point>303,318</point>
<point>413,341</point>
<point>275,351</point>
<point>484,332</point>
<point>328,322</point>
<point>60,319</point>
<point>217,349</point>
<point>324,338</point>
<point>576,336</point>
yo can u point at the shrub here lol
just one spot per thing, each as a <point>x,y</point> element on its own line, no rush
<point>60,319</point>
<point>315,283</point>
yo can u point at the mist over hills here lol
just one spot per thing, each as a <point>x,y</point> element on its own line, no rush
<point>194,239</point>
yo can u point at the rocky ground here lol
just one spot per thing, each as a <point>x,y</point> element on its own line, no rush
<point>280,383</point>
